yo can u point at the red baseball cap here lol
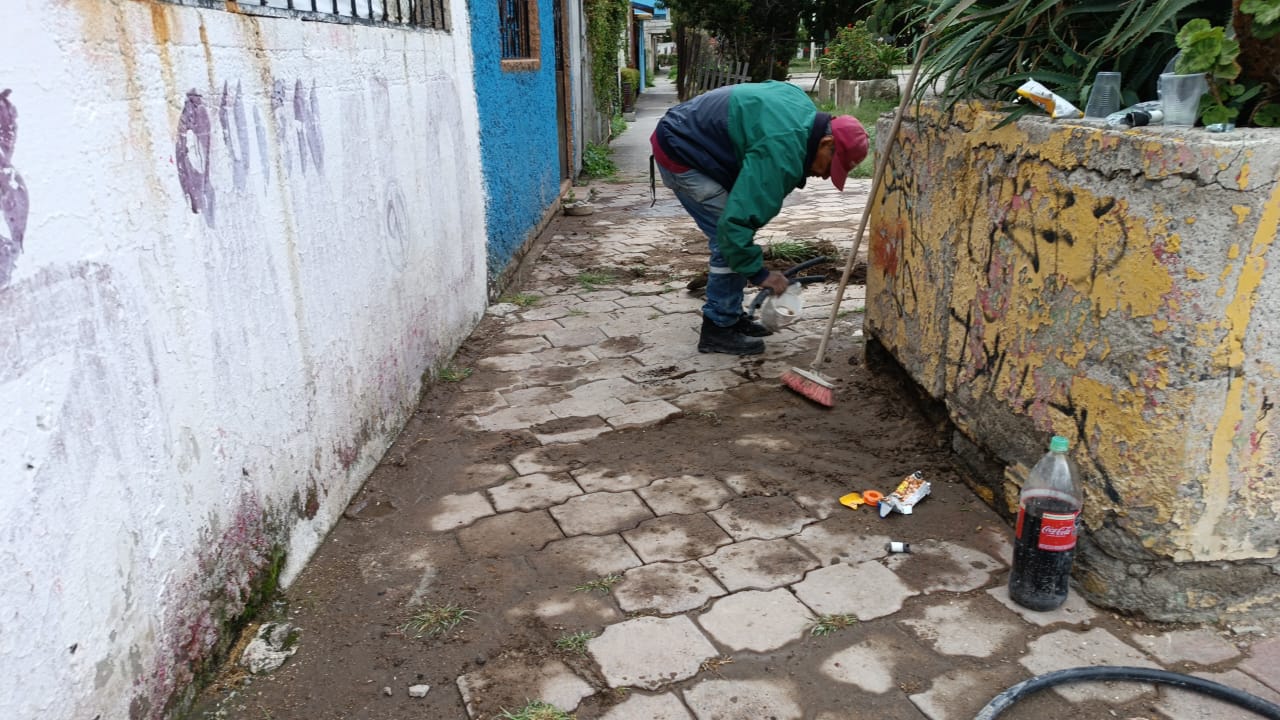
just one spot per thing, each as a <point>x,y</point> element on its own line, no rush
<point>850,147</point>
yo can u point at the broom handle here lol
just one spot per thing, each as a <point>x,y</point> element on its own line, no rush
<point>882,161</point>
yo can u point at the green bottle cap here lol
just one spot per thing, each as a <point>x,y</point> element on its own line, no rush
<point>1058,444</point>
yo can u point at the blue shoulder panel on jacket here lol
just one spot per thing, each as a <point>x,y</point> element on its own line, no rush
<point>696,133</point>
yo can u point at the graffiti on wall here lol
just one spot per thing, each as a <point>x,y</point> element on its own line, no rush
<point>13,191</point>
<point>1029,302</point>
<point>1038,291</point>
<point>191,156</point>
<point>295,115</point>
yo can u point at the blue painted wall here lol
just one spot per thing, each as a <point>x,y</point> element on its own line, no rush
<point>518,145</point>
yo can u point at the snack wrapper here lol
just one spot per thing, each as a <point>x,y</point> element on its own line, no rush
<point>1049,101</point>
<point>910,491</point>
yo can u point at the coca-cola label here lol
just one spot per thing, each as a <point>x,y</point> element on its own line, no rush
<point>1057,531</point>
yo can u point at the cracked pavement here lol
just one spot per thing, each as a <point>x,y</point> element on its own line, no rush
<point>594,444</point>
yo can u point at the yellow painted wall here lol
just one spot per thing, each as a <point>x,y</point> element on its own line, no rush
<point>1115,287</point>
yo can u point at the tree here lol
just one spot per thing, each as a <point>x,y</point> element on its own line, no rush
<point>745,30</point>
<point>764,33</point>
<point>826,17</point>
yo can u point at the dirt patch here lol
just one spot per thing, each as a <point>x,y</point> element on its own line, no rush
<point>365,581</point>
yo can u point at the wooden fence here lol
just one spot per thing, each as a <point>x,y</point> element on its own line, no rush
<point>701,68</point>
<point>710,77</point>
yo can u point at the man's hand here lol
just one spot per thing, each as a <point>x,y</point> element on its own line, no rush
<point>776,282</point>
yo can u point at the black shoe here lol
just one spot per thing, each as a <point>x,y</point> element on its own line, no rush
<point>715,339</point>
<point>751,328</point>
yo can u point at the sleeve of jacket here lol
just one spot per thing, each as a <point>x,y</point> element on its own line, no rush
<point>768,174</point>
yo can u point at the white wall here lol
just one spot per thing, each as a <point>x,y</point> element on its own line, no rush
<point>579,80</point>
<point>180,392</point>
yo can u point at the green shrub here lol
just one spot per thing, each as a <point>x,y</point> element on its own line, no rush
<point>1206,49</point>
<point>631,76</point>
<point>596,162</point>
<point>856,54</point>
<point>606,23</point>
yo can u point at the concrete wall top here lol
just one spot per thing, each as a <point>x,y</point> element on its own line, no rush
<point>230,247</point>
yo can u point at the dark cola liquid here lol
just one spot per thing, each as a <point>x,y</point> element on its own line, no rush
<point>1040,577</point>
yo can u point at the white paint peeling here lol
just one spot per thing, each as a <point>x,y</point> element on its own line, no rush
<point>175,386</point>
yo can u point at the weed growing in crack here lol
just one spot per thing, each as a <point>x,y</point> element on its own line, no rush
<point>713,665</point>
<point>827,624</point>
<point>575,643</point>
<point>593,279</point>
<point>604,584</point>
<point>710,416</point>
<point>536,710</point>
<point>523,300</point>
<point>434,620</point>
<point>449,373</point>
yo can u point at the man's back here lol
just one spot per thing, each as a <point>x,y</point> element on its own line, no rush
<point>714,131</point>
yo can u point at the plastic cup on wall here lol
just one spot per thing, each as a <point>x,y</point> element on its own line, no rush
<point>1180,97</point>
<point>1104,97</point>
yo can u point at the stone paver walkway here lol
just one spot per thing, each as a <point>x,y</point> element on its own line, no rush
<point>719,580</point>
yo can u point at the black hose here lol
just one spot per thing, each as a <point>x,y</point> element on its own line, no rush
<point>791,272</point>
<point>1236,697</point>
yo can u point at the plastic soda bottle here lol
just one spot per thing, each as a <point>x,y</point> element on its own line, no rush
<point>1046,533</point>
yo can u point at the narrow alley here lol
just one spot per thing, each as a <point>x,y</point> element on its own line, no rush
<point>609,522</point>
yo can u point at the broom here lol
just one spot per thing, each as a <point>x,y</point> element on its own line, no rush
<point>810,383</point>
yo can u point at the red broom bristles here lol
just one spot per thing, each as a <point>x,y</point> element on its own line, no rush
<point>810,385</point>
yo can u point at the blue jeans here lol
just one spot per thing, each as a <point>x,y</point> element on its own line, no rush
<point>704,199</point>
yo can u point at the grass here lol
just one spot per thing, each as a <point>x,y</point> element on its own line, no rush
<point>523,300</point>
<point>603,584</point>
<point>449,373</point>
<point>597,162</point>
<point>617,126</point>
<point>791,251</point>
<point>827,624</point>
<point>536,710</point>
<point>575,643</point>
<point>593,279</point>
<point>434,620</point>
<point>802,66</point>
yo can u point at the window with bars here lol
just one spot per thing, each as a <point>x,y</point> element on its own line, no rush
<point>518,29</point>
<point>432,14</point>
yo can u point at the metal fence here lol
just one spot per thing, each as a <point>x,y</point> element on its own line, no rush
<point>513,21</point>
<point>431,14</point>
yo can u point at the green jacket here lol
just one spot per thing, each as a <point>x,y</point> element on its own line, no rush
<point>757,140</point>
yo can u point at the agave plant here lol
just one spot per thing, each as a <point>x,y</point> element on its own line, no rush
<point>990,47</point>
